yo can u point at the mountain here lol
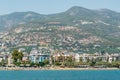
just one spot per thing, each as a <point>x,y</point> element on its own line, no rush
<point>70,17</point>
<point>16,18</point>
<point>103,23</point>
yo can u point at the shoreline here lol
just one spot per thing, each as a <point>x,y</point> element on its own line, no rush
<point>56,68</point>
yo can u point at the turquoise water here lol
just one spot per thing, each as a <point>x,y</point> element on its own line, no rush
<point>61,75</point>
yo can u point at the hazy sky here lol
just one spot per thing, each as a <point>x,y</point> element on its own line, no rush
<point>54,6</point>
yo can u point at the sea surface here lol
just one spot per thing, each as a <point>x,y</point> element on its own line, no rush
<point>60,75</point>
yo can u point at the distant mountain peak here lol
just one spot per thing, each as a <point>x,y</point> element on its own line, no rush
<point>77,10</point>
<point>77,7</point>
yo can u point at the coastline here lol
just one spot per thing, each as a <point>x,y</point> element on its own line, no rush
<point>55,68</point>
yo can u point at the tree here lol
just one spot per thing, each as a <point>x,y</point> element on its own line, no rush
<point>70,59</point>
<point>2,63</point>
<point>17,56</point>
<point>41,64</point>
<point>69,62</point>
<point>46,62</point>
<point>93,62</point>
<point>57,63</point>
<point>88,60</point>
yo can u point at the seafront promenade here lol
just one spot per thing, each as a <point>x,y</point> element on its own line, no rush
<point>55,68</point>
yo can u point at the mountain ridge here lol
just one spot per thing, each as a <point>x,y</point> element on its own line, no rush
<point>102,23</point>
<point>75,11</point>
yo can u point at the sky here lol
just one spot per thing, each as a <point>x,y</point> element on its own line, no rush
<point>54,6</point>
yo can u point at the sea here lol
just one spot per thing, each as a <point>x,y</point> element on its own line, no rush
<point>60,75</point>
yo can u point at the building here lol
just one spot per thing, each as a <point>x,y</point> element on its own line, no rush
<point>25,57</point>
<point>10,60</point>
<point>36,57</point>
<point>3,57</point>
<point>97,57</point>
<point>77,58</point>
